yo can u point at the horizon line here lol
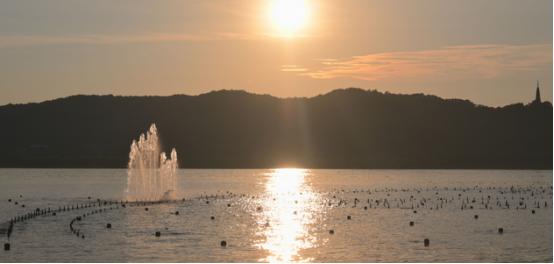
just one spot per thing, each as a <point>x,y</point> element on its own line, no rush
<point>267,94</point>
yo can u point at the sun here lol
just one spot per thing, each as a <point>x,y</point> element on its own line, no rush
<point>288,17</point>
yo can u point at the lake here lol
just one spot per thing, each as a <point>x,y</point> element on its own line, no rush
<point>292,215</point>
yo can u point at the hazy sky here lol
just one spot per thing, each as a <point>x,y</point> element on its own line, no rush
<point>491,52</point>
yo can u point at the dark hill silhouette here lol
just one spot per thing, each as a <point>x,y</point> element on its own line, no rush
<point>347,128</point>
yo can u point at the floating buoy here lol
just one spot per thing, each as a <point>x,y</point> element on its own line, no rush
<point>158,233</point>
<point>532,211</point>
<point>228,205</point>
<point>426,242</point>
<point>476,216</point>
<point>365,207</point>
<point>331,232</point>
<point>348,217</point>
<point>212,217</point>
<point>108,225</point>
<point>54,214</point>
<point>10,200</point>
<point>176,212</point>
<point>411,223</point>
<point>6,246</point>
<point>146,209</point>
<point>207,202</point>
<point>500,230</point>
<point>223,243</point>
<point>415,212</point>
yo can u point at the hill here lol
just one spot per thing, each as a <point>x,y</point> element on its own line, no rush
<point>347,128</point>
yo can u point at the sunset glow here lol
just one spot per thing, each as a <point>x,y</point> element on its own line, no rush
<point>288,17</point>
<point>283,48</point>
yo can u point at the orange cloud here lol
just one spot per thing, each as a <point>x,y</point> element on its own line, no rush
<point>455,62</point>
<point>292,68</point>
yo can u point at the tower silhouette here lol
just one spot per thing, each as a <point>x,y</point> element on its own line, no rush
<point>537,94</point>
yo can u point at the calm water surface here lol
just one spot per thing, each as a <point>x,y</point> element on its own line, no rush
<point>285,215</point>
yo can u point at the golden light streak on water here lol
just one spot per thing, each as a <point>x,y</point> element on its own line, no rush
<point>290,208</point>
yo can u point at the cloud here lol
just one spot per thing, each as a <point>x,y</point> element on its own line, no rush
<point>104,39</point>
<point>292,68</point>
<point>454,62</point>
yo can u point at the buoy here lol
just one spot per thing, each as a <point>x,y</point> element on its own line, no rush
<point>223,243</point>
<point>365,207</point>
<point>10,200</point>
<point>331,232</point>
<point>348,217</point>
<point>207,202</point>
<point>476,216</point>
<point>6,246</point>
<point>54,214</point>
<point>158,233</point>
<point>500,230</point>
<point>83,236</point>
<point>108,225</point>
<point>146,209</point>
<point>228,205</point>
<point>426,242</point>
<point>212,217</point>
<point>415,212</point>
<point>411,223</point>
<point>532,211</point>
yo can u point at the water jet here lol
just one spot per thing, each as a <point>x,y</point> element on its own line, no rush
<point>151,175</point>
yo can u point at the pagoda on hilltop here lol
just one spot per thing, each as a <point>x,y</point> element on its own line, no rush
<point>537,95</point>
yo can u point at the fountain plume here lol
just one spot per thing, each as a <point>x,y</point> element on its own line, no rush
<point>150,174</point>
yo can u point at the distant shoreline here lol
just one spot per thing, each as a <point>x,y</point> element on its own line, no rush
<point>270,168</point>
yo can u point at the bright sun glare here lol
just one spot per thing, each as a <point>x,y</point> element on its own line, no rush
<point>289,17</point>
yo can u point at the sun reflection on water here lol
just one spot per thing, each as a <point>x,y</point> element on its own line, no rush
<point>289,210</point>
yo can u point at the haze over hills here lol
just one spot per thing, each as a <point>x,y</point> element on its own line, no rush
<point>346,128</point>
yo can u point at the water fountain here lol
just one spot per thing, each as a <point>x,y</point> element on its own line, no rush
<point>150,174</point>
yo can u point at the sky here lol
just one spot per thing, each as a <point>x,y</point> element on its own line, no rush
<point>490,52</point>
